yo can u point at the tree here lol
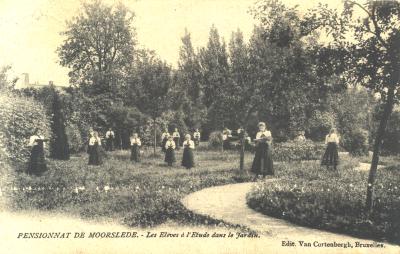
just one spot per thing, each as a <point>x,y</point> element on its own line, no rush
<point>374,51</point>
<point>150,85</point>
<point>215,76</point>
<point>5,83</point>
<point>293,72</point>
<point>188,91</point>
<point>99,47</point>
<point>59,147</point>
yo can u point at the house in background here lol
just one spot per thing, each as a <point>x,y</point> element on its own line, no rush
<point>23,82</point>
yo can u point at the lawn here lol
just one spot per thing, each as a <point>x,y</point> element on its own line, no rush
<point>310,196</point>
<point>135,194</point>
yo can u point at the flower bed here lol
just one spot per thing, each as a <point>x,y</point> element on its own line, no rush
<point>335,202</point>
<point>298,150</point>
<point>144,194</point>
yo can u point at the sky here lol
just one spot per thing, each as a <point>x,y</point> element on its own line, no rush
<point>30,29</point>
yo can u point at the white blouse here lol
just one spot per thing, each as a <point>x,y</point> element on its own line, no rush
<point>93,140</point>
<point>189,143</point>
<point>332,138</point>
<point>136,141</point>
<point>266,134</point>
<point>32,139</point>
<point>170,143</point>
<point>109,133</point>
<point>164,135</point>
<point>196,135</point>
<point>176,135</point>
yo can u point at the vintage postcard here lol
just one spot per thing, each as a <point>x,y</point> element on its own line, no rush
<point>199,126</point>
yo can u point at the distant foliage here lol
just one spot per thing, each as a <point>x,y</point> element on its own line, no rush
<point>19,116</point>
<point>319,124</point>
<point>356,142</point>
<point>76,143</point>
<point>391,140</point>
<point>215,140</point>
<point>298,150</point>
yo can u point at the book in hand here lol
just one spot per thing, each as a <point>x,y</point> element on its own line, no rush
<point>263,139</point>
<point>41,140</point>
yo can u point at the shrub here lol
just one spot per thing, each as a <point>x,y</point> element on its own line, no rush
<point>19,116</point>
<point>76,144</point>
<point>356,142</point>
<point>391,140</point>
<point>298,150</point>
<point>319,124</point>
<point>215,140</point>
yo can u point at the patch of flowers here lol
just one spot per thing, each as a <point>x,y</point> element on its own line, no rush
<point>333,201</point>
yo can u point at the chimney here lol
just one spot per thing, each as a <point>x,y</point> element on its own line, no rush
<point>26,79</point>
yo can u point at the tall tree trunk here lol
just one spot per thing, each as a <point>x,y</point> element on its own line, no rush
<point>242,152</point>
<point>377,146</point>
<point>155,136</point>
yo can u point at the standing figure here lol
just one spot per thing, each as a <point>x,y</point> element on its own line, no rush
<point>331,156</point>
<point>262,163</point>
<point>37,162</point>
<point>135,147</point>
<point>177,138</point>
<point>226,139</point>
<point>170,151</point>
<point>164,138</point>
<point>196,136</point>
<point>110,136</point>
<point>94,149</point>
<point>187,158</point>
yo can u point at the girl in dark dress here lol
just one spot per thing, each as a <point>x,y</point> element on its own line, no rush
<point>226,139</point>
<point>263,163</point>
<point>110,140</point>
<point>135,147</point>
<point>177,138</point>
<point>187,158</point>
<point>164,138</point>
<point>94,149</point>
<point>170,151</point>
<point>331,156</point>
<point>37,162</point>
<point>196,136</point>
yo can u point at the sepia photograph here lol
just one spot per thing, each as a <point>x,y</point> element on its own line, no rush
<point>199,126</point>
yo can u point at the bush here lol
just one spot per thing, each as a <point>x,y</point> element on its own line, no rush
<point>319,124</point>
<point>391,140</point>
<point>215,140</point>
<point>19,116</point>
<point>356,142</point>
<point>76,144</point>
<point>298,150</point>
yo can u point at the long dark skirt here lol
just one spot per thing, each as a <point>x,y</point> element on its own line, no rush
<point>135,153</point>
<point>226,144</point>
<point>110,144</point>
<point>170,156</point>
<point>163,142</point>
<point>196,141</point>
<point>177,143</point>
<point>95,155</point>
<point>331,156</point>
<point>263,163</point>
<point>187,158</point>
<point>37,163</point>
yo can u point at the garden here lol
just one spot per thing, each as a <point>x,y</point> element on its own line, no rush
<point>282,76</point>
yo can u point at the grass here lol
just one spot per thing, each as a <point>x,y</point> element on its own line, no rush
<point>310,196</point>
<point>135,194</point>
